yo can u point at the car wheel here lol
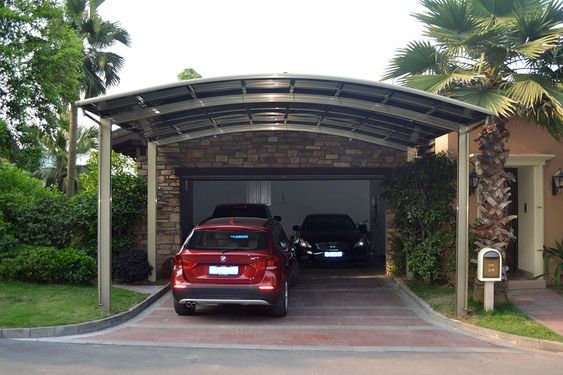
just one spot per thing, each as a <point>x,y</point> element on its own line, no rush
<point>294,273</point>
<point>182,309</point>
<point>280,310</point>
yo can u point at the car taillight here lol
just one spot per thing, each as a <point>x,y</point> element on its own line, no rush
<point>271,263</point>
<point>184,263</point>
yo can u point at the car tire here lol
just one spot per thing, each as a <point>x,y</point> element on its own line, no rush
<point>182,309</point>
<point>279,310</point>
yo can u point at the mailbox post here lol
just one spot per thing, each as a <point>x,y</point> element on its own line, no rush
<point>489,265</point>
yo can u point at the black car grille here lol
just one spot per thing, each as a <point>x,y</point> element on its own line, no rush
<point>332,246</point>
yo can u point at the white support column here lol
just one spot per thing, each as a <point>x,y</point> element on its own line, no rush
<point>462,221</point>
<point>151,208</point>
<point>104,215</point>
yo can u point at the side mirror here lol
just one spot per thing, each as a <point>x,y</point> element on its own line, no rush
<point>296,228</point>
<point>363,228</point>
<point>277,218</point>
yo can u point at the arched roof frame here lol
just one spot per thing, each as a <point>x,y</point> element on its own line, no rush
<point>374,112</point>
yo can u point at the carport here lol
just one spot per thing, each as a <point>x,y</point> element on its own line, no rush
<point>386,115</point>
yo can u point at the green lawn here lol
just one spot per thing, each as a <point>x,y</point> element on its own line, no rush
<point>32,305</point>
<point>505,317</point>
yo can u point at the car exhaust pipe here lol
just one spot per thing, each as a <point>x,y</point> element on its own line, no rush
<point>191,304</point>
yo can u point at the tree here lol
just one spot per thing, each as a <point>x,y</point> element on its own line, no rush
<point>54,169</point>
<point>40,58</point>
<point>99,67</point>
<point>504,55</point>
<point>188,73</point>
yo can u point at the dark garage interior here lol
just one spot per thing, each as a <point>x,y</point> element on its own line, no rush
<point>292,198</point>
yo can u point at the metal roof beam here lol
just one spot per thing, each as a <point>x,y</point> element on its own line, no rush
<point>327,101</point>
<point>289,127</point>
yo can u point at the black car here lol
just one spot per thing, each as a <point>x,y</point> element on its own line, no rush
<point>331,238</point>
<point>244,210</point>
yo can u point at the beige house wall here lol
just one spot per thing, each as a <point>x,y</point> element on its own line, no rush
<point>527,144</point>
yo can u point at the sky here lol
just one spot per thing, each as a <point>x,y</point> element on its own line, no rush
<point>351,38</point>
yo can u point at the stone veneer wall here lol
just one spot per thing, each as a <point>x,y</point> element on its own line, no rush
<point>250,150</point>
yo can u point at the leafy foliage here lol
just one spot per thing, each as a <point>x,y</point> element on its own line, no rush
<point>33,214</point>
<point>503,55</point>
<point>131,266</point>
<point>188,73</point>
<point>40,58</point>
<point>555,253</point>
<point>128,203</point>
<point>55,144</point>
<point>421,192</point>
<point>99,67</point>
<point>49,265</point>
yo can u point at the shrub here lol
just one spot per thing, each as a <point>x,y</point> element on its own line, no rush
<point>48,265</point>
<point>422,192</point>
<point>35,215</point>
<point>7,240</point>
<point>128,204</point>
<point>131,266</point>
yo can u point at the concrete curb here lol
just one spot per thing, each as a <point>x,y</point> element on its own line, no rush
<point>514,340</point>
<point>80,328</point>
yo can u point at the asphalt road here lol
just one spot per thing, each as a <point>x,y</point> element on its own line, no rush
<point>27,357</point>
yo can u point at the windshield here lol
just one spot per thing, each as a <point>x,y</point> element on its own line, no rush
<point>328,223</point>
<point>227,240</point>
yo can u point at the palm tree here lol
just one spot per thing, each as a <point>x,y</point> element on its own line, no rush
<point>504,55</point>
<point>54,169</point>
<point>100,67</point>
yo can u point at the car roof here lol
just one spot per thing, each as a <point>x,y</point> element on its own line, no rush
<point>241,204</point>
<point>235,222</point>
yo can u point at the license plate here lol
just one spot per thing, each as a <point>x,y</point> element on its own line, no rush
<point>223,270</point>
<point>333,254</point>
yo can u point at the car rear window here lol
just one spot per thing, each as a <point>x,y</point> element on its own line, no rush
<point>227,240</point>
<point>241,210</point>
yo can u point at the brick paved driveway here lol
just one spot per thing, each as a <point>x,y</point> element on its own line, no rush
<point>329,309</point>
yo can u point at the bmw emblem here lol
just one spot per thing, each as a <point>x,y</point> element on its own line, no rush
<point>223,259</point>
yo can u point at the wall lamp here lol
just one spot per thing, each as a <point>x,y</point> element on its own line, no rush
<point>473,181</point>
<point>557,182</point>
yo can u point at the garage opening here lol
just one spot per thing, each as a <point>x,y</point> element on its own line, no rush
<point>292,197</point>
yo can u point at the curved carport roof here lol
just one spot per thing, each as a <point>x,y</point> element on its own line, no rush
<point>374,112</point>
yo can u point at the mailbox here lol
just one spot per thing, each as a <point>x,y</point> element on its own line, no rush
<point>489,265</point>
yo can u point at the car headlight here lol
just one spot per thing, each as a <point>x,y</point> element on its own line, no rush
<point>360,243</point>
<point>304,243</point>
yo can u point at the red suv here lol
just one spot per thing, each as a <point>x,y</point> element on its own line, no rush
<point>240,260</point>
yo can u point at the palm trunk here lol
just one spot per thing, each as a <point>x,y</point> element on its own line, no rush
<point>493,228</point>
<point>71,166</point>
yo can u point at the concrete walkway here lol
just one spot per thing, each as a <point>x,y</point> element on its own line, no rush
<point>542,305</point>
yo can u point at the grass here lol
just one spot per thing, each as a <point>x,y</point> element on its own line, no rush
<point>32,305</point>
<point>505,318</point>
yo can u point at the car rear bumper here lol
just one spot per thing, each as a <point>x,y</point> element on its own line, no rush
<point>240,295</point>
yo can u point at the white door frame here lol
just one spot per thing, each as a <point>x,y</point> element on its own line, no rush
<point>536,162</point>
